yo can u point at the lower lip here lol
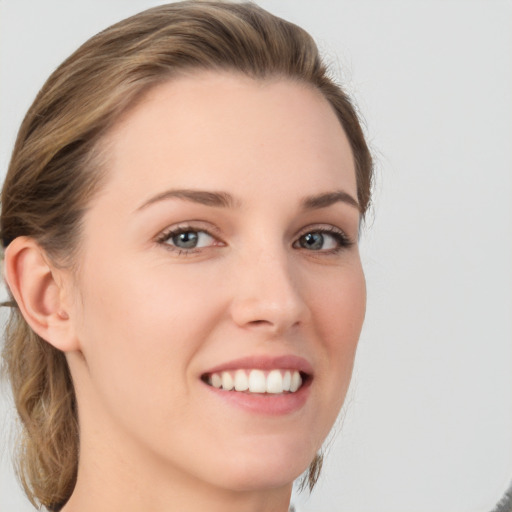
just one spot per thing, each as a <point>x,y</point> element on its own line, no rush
<point>267,403</point>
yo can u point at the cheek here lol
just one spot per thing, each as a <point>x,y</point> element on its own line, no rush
<point>341,306</point>
<point>139,333</point>
<point>146,322</point>
<point>341,312</point>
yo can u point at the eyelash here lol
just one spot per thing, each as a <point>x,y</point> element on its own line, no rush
<point>340,237</point>
<point>166,235</point>
<point>342,240</point>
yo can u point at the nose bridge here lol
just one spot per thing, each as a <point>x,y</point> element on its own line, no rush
<point>267,290</point>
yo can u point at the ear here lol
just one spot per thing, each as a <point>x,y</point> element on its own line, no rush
<point>40,292</point>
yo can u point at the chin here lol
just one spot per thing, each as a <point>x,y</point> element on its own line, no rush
<point>252,480</point>
<point>266,470</point>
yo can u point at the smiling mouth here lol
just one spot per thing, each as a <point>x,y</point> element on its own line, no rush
<point>273,382</point>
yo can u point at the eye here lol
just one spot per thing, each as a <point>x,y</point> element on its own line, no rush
<point>326,240</point>
<point>187,239</point>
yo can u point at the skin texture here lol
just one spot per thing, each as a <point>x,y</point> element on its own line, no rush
<point>144,321</point>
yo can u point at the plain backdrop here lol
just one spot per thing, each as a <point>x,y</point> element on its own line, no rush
<point>427,425</point>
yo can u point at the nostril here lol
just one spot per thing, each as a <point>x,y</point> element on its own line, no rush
<point>259,322</point>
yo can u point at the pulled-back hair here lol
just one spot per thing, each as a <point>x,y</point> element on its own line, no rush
<point>56,168</point>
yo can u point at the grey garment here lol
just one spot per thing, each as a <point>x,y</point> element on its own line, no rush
<point>505,504</point>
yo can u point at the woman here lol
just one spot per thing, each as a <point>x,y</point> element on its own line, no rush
<point>180,223</point>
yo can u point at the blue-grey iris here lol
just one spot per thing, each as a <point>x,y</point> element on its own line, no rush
<point>314,241</point>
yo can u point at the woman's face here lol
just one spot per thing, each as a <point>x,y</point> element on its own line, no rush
<point>223,247</point>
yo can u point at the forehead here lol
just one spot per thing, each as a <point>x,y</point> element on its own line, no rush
<point>212,130</point>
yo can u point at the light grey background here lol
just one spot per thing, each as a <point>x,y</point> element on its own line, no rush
<point>428,422</point>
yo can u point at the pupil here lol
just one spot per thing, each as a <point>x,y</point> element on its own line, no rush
<point>187,240</point>
<point>313,241</point>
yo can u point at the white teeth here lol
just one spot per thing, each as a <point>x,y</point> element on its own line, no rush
<point>216,380</point>
<point>274,382</point>
<point>296,382</point>
<point>227,381</point>
<point>287,380</point>
<point>241,381</point>
<point>257,381</point>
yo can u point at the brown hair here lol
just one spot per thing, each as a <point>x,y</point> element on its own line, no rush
<point>56,169</point>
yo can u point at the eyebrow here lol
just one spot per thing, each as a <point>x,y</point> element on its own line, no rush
<point>218,199</point>
<point>225,200</point>
<point>324,200</point>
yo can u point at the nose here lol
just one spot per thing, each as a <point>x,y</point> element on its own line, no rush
<point>267,294</point>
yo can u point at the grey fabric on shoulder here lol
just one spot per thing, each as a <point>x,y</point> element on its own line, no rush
<point>505,504</point>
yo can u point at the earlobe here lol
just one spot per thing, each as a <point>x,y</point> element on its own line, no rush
<point>38,288</point>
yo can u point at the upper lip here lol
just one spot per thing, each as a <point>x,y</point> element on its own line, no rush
<point>282,362</point>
